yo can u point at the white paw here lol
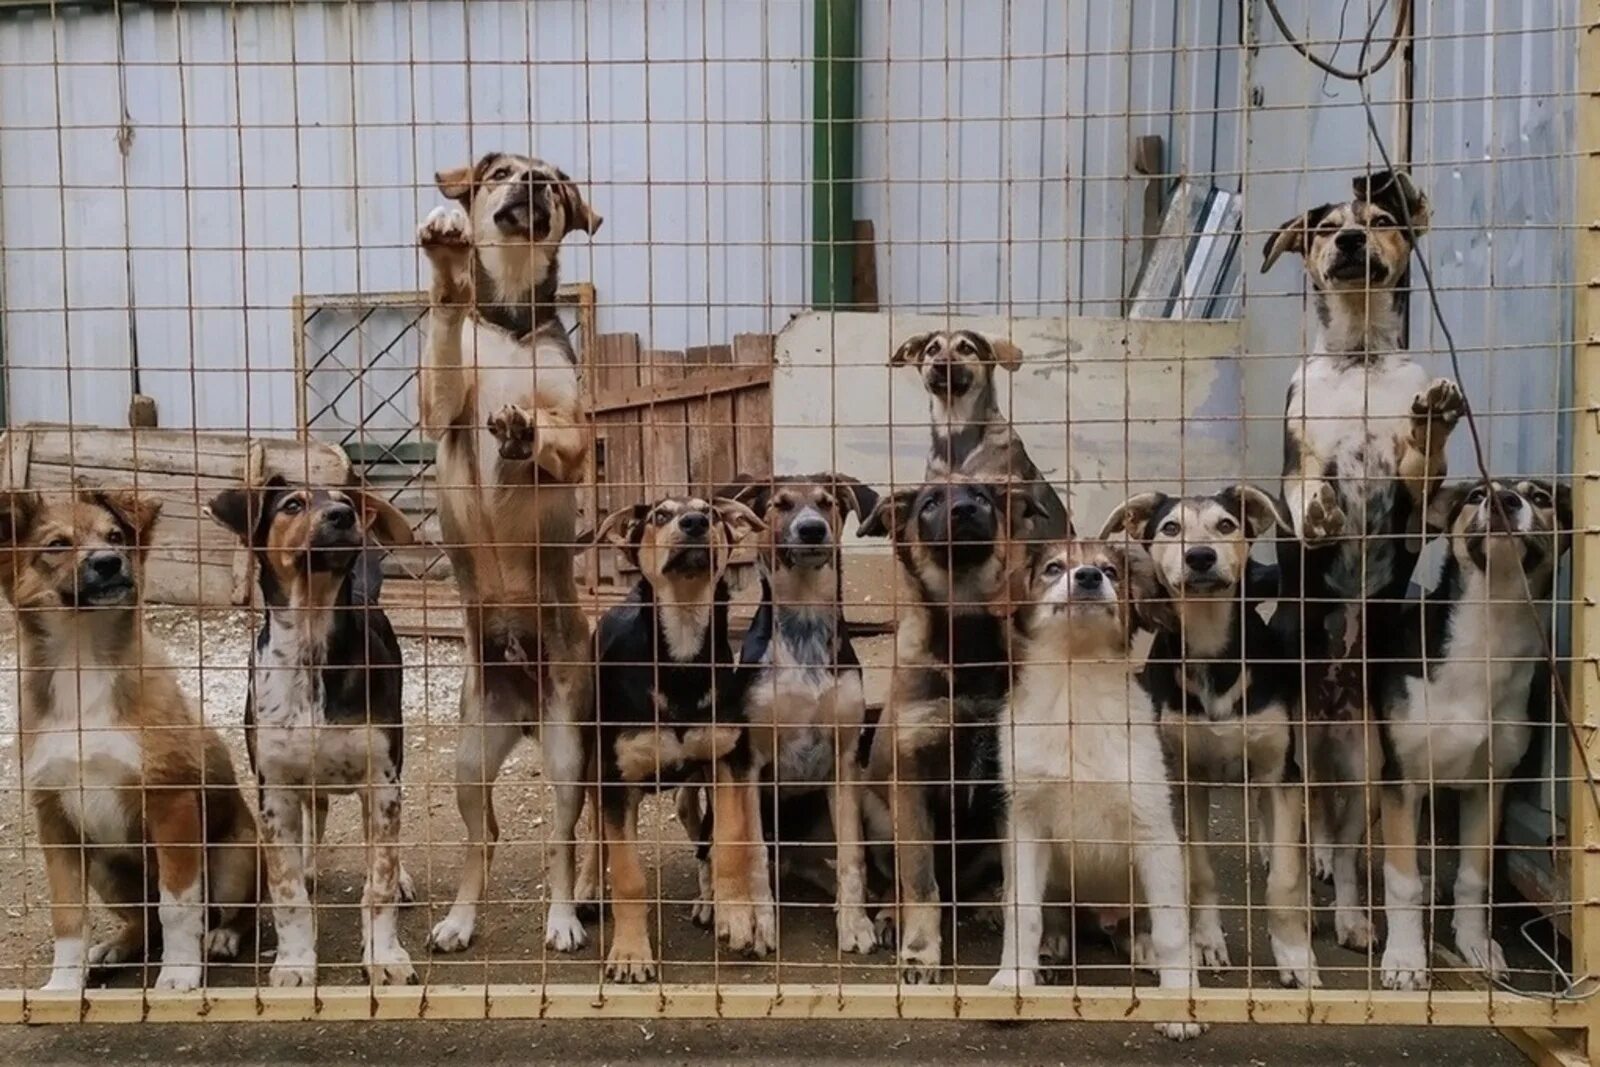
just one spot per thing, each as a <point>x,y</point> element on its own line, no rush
<point>1322,863</point>
<point>563,930</point>
<point>179,977</point>
<point>856,932</point>
<point>1353,929</point>
<point>446,226</point>
<point>406,887</point>
<point>1484,953</point>
<point>64,980</point>
<point>745,928</point>
<point>1181,1031</point>
<point>1210,945</point>
<point>1142,953</point>
<point>1013,978</point>
<point>453,933</point>
<point>288,973</point>
<point>110,952</point>
<point>222,943</point>
<point>1297,964</point>
<point>1405,966</point>
<point>389,965</point>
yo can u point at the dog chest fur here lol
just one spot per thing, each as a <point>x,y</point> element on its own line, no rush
<point>801,682</point>
<point>85,755</point>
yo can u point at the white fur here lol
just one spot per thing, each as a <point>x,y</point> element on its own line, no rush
<point>685,626</point>
<point>183,930</point>
<point>87,757</point>
<point>1405,952</point>
<point>66,969</point>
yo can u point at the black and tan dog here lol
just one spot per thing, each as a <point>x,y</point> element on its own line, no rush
<point>500,394</point>
<point>961,544</point>
<point>135,797</point>
<point>1364,442</point>
<point>323,715</point>
<point>1453,704</point>
<point>970,435</point>
<point>1226,694</point>
<point>669,708</point>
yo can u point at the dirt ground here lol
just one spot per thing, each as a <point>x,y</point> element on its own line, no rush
<point>211,654</point>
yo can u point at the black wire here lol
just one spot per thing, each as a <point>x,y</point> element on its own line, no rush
<point>1402,17</point>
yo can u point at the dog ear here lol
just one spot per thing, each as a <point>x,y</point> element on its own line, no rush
<point>1392,190</point>
<point>138,513</point>
<point>754,493</point>
<point>1151,609</point>
<point>1007,354</point>
<point>739,521</point>
<point>236,510</point>
<point>19,512</point>
<point>910,350</point>
<point>1293,236</point>
<point>1563,494</point>
<point>1255,510</point>
<point>886,516</point>
<point>386,523</point>
<point>1443,503</point>
<point>621,526</point>
<point>1022,509</point>
<point>458,183</point>
<point>1129,518</point>
<point>857,495</point>
<point>580,216</point>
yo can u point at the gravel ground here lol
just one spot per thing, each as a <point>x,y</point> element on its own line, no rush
<point>211,654</point>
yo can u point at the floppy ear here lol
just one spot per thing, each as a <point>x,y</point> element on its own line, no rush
<point>580,216</point>
<point>1392,190</point>
<point>857,495</point>
<point>457,183</point>
<point>137,513</point>
<point>910,351</point>
<point>619,527</point>
<point>738,520</point>
<point>19,511</point>
<point>1563,495</point>
<point>1151,608</point>
<point>386,523</point>
<point>754,493</point>
<point>1006,354</point>
<point>885,518</point>
<point>1443,502</point>
<point>1022,510</point>
<point>1293,236</point>
<point>1129,518</point>
<point>1257,511</point>
<point>236,510</point>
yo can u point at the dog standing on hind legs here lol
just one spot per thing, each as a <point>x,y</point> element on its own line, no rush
<point>500,394</point>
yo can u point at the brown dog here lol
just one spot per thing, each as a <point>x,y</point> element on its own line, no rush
<point>117,765</point>
<point>500,394</point>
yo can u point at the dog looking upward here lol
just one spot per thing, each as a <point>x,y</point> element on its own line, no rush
<point>970,435</point>
<point>500,394</point>
<point>1364,443</point>
<point>135,797</point>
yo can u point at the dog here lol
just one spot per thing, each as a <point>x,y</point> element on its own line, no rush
<point>669,706</point>
<point>500,395</point>
<point>1453,706</point>
<point>803,696</point>
<point>960,544</point>
<point>134,796</point>
<point>1365,431</point>
<point>322,715</point>
<point>1226,695</point>
<point>970,435</point>
<point>1083,769</point>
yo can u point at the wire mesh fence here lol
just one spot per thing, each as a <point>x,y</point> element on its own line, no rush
<point>1032,510</point>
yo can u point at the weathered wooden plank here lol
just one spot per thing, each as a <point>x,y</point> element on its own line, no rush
<point>668,433</point>
<point>752,407</point>
<point>184,452</point>
<point>701,384</point>
<point>711,437</point>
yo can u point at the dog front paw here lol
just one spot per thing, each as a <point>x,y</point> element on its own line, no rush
<point>1441,403</point>
<point>1405,966</point>
<point>1484,953</point>
<point>919,961</point>
<point>744,928</point>
<point>1353,929</point>
<point>630,961</point>
<point>1180,1031</point>
<point>446,234</point>
<point>179,977</point>
<point>1324,518</point>
<point>286,974</point>
<point>856,932</point>
<point>514,429</point>
<point>389,965</point>
<point>222,943</point>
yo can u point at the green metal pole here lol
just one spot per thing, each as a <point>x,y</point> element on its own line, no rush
<point>834,150</point>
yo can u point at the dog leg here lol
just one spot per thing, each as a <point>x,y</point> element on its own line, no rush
<point>233,883</point>
<point>630,958</point>
<point>1210,943</point>
<point>855,930</point>
<point>1288,905</point>
<point>315,816</point>
<point>565,761</point>
<point>590,869</point>
<point>692,817</point>
<point>126,895</point>
<point>1027,863</point>
<point>1405,954</point>
<point>730,863</point>
<point>920,950</point>
<point>1158,862</point>
<point>69,913</point>
<point>385,959</point>
<point>445,237</point>
<point>282,827</point>
<point>1322,800</point>
<point>1434,413</point>
<point>482,750</point>
<point>1351,923</point>
<point>175,831</point>
<point>760,888</point>
<point>1479,822</point>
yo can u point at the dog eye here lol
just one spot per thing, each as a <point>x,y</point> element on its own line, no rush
<point>1227,526</point>
<point>783,503</point>
<point>1382,219</point>
<point>114,537</point>
<point>965,348</point>
<point>1540,499</point>
<point>1169,529</point>
<point>292,506</point>
<point>929,504</point>
<point>500,174</point>
<point>59,543</point>
<point>1053,569</point>
<point>661,517</point>
<point>1109,571</point>
<point>1477,495</point>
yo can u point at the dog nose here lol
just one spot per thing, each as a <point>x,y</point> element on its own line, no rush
<point>1088,578</point>
<point>340,516</point>
<point>811,532</point>
<point>695,523</point>
<point>105,565</point>
<point>1351,240</point>
<point>1511,502</point>
<point>963,509</point>
<point>1200,559</point>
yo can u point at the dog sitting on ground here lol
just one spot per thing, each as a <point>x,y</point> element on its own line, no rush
<point>960,543</point>
<point>1082,766</point>
<point>323,712</point>
<point>1453,706</point>
<point>1226,695</point>
<point>669,706</point>
<point>135,797</point>
<point>970,435</point>
<point>500,394</point>
<point>1364,442</point>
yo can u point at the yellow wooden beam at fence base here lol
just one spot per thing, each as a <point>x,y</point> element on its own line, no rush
<point>800,1001</point>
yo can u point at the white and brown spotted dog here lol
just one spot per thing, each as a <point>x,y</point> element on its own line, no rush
<point>970,435</point>
<point>135,797</point>
<point>1365,430</point>
<point>500,393</point>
